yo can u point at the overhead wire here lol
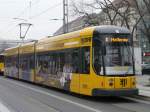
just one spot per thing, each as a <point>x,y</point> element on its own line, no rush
<point>44,11</point>
<point>9,26</point>
<point>25,9</point>
<point>32,17</point>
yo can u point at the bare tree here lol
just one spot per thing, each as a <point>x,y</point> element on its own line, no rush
<point>128,15</point>
<point>90,18</point>
<point>147,4</point>
<point>114,13</point>
<point>144,14</point>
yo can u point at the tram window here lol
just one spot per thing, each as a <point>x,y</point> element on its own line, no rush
<point>25,62</point>
<point>70,59</point>
<point>50,64</point>
<point>55,61</point>
<point>54,56</point>
<point>15,61</point>
<point>31,61</point>
<point>43,63</point>
<point>67,66</point>
<point>39,63</point>
<point>98,51</point>
<point>8,62</point>
<point>75,61</point>
<point>85,59</point>
<point>60,61</point>
<point>1,58</point>
<point>97,59</point>
<point>11,64</point>
<point>45,67</point>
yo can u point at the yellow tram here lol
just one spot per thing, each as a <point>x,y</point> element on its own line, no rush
<point>1,64</point>
<point>94,61</point>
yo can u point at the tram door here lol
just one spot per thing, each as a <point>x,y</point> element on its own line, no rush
<point>75,77</point>
<point>85,70</point>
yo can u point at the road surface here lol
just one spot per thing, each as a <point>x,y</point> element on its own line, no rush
<point>18,96</point>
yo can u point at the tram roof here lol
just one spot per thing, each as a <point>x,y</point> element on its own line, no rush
<point>111,29</point>
<point>10,48</point>
<point>11,51</point>
<point>81,33</point>
<point>27,44</point>
<point>89,32</point>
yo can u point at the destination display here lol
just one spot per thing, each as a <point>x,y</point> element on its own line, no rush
<point>116,39</point>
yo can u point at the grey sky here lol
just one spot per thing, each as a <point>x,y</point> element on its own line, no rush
<point>40,14</point>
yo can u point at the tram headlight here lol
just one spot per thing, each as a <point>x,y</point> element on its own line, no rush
<point>111,82</point>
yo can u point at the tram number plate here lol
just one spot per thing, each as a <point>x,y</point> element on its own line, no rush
<point>123,82</point>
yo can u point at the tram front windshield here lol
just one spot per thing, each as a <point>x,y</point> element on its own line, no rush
<point>113,55</point>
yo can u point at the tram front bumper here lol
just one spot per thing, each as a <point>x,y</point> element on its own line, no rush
<point>118,92</point>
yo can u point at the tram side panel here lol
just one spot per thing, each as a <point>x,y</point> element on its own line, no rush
<point>57,68</point>
<point>65,67</point>
<point>26,68</point>
<point>27,62</point>
<point>11,66</point>
<point>1,64</point>
<point>11,63</point>
<point>1,68</point>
